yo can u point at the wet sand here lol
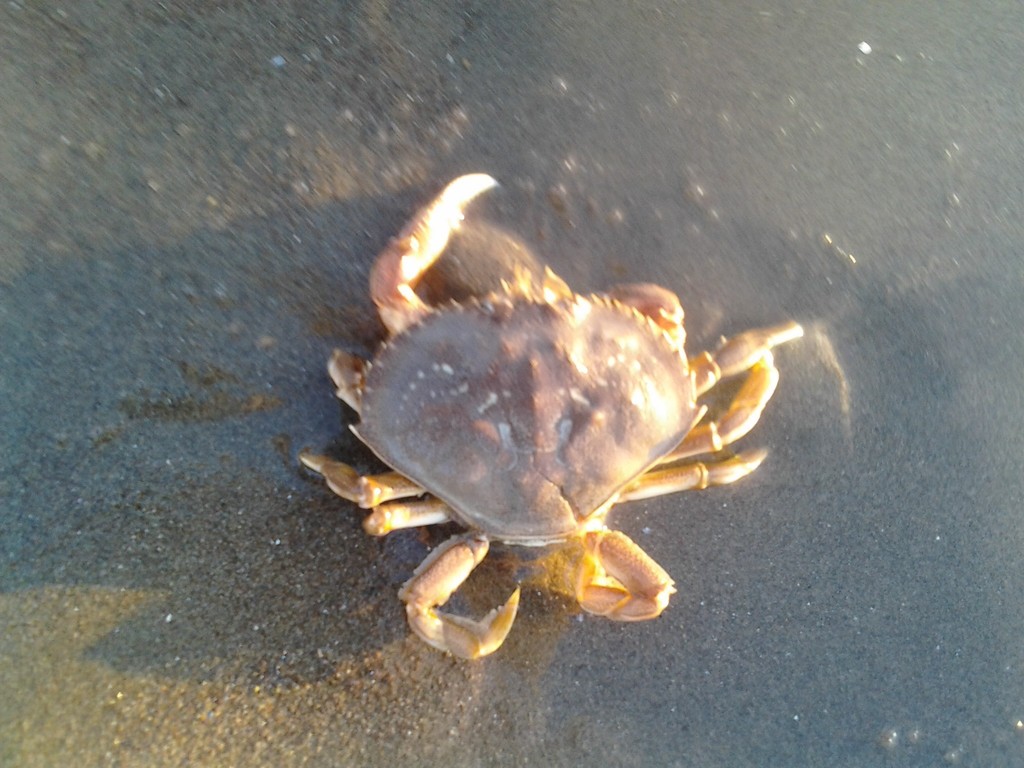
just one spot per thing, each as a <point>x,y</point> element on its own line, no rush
<point>192,197</point>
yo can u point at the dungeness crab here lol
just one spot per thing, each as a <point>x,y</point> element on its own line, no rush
<point>525,415</point>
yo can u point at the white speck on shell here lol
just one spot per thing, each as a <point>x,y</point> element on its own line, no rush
<point>579,397</point>
<point>564,431</point>
<point>492,398</point>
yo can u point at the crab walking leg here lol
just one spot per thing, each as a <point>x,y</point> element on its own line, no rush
<point>739,353</point>
<point>365,490</point>
<point>741,416</point>
<point>348,373</point>
<point>434,582</point>
<point>389,517</point>
<point>399,267</point>
<point>692,476</point>
<point>619,580</point>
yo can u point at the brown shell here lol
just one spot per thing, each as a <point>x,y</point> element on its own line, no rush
<point>523,415</point>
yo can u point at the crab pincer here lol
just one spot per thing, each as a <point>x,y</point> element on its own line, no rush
<point>399,267</point>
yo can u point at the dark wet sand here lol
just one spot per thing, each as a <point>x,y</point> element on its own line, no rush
<point>186,228</point>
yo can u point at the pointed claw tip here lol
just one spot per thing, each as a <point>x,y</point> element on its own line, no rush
<point>753,458</point>
<point>311,460</point>
<point>513,600</point>
<point>499,624</point>
<point>465,188</point>
<point>788,332</point>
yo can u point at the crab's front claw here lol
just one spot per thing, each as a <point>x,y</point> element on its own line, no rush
<point>437,578</point>
<point>619,580</point>
<point>399,267</point>
<point>462,637</point>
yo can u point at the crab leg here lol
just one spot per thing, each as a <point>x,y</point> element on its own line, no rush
<point>692,476</point>
<point>389,517</point>
<point>751,352</point>
<point>348,373</point>
<point>434,582</point>
<point>619,580</point>
<point>365,490</point>
<point>741,416</point>
<point>739,353</point>
<point>399,267</point>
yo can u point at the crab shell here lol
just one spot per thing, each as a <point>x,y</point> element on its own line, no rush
<point>527,414</point>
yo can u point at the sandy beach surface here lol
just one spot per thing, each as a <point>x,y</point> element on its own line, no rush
<point>192,196</point>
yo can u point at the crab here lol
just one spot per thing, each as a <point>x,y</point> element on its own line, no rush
<point>524,415</point>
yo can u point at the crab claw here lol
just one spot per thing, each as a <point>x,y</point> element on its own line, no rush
<point>619,580</point>
<point>399,267</point>
<point>434,582</point>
